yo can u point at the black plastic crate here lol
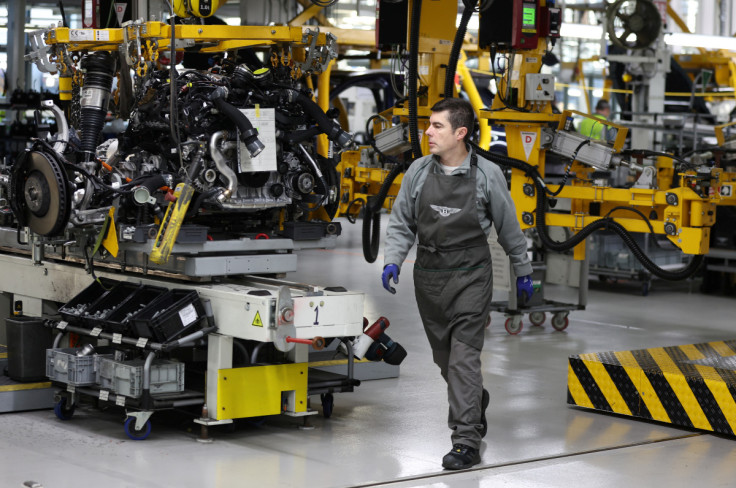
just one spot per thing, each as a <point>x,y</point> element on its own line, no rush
<point>175,314</point>
<point>120,320</point>
<point>74,309</point>
<point>98,314</point>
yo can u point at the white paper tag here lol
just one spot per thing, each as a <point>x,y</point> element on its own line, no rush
<point>142,341</point>
<point>104,395</point>
<point>117,338</point>
<point>187,315</point>
<point>62,325</point>
<point>76,35</point>
<point>71,388</point>
<point>120,401</point>
<point>95,332</point>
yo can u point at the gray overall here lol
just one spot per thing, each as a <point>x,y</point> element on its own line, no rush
<point>453,284</point>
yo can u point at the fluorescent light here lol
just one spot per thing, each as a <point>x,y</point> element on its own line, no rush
<point>581,31</point>
<point>699,40</point>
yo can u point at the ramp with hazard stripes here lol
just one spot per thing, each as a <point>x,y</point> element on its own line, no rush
<point>691,386</point>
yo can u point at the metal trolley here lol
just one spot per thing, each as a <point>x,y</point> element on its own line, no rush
<point>537,307</point>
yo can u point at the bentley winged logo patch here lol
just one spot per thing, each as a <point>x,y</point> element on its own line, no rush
<point>444,211</point>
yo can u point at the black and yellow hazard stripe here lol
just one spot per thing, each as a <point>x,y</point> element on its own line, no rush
<point>692,386</point>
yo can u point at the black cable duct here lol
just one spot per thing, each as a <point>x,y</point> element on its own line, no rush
<point>457,45</point>
<point>604,223</point>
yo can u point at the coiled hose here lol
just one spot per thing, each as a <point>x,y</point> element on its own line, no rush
<point>605,223</point>
<point>457,45</point>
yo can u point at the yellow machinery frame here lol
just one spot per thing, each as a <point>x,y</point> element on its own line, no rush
<point>691,214</point>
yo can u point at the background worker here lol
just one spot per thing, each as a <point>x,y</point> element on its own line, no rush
<point>593,129</point>
<point>449,200</point>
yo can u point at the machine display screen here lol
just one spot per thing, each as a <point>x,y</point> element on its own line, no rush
<point>529,17</point>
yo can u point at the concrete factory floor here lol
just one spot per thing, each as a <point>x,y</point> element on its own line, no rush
<point>392,432</point>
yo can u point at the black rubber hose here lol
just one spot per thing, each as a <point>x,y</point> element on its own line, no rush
<point>416,10</point>
<point>330,127</point>
<point>298,136</point>
<point>606,223</point>
<point>154,182</point>
<point>457,45</point>
<point>371,240</point>
<point>372,215</point>
<point>248,134</point>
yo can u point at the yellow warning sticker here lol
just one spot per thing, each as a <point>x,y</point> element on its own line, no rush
<point>257,322</point>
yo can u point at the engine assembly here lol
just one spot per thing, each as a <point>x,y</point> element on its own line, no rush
<point>223,161</point>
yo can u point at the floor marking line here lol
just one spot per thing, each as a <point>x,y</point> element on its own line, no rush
<point>525,461</point>
<point>607,324</point>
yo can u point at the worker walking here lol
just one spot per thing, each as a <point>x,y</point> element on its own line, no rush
<point>449,200</point>
<point>590,127</point>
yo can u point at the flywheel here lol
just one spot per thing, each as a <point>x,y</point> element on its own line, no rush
<point>41,198</point>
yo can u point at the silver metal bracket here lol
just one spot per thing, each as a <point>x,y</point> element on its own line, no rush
<point>40,51</point>
<point>140,418</point>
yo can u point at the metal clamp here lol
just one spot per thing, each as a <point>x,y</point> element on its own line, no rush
<point>318,57</point>
<point>40,51</point>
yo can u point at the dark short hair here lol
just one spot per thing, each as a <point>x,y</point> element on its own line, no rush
<point>602,105</point>
<point>460,113</point>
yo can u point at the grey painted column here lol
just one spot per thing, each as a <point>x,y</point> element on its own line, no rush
<point>16,45</point>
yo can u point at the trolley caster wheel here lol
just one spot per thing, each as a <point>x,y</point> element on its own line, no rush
<point>137,435</point>
<point>63,410</point>
<point>328,402</point>
<point>560,321</point>
<point>537,318</point>
<point>514,325</point>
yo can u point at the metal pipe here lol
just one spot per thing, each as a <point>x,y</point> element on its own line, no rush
<point>62,138</point>
<point>221,164</point>
<point>190,338</point>
<point>147,371</point>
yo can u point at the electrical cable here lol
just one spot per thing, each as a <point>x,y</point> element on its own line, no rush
<point>457,45</point>
<point>567,170</point>
<point>353,218</point>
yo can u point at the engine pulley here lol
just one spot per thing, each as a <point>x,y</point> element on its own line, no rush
<point>40,198</point>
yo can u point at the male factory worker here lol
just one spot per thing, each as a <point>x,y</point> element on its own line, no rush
<point>592,128</point>
<point>449,199</point>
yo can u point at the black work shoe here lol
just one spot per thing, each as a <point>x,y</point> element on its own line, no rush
<point>461,457</point>
<point>484,404</point>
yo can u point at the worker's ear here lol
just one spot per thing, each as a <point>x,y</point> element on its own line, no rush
<point>460,133</point>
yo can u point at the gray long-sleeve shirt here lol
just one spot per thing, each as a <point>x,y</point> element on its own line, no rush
<point>493,202</point>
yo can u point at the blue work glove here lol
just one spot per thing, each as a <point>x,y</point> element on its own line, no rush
<point>390,271</point>
<point>524,288</point>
